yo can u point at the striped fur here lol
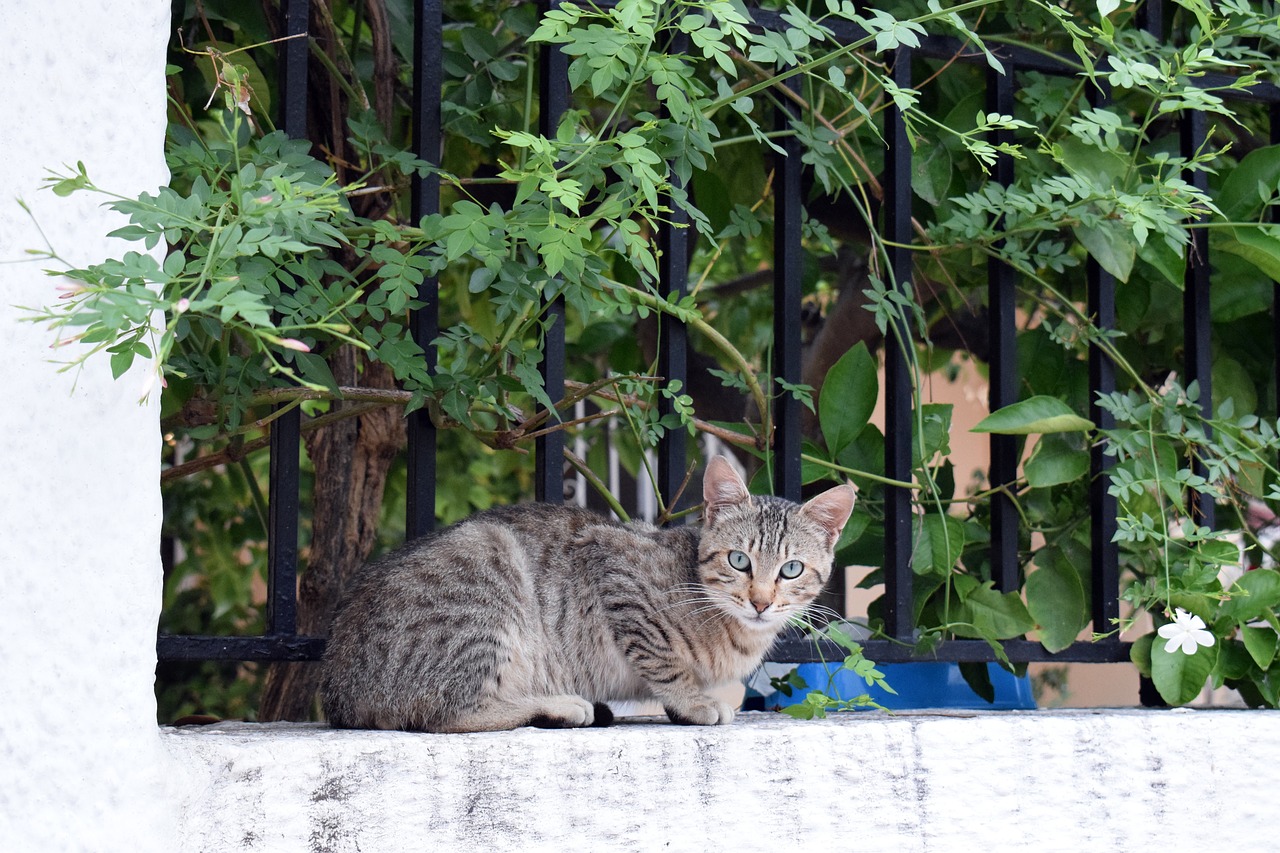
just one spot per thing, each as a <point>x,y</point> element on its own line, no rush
<point>540,614</point>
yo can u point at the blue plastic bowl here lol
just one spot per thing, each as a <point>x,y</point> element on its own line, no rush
<point>919,685</point>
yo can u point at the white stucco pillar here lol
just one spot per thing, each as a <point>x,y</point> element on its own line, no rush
<point>81,763</point>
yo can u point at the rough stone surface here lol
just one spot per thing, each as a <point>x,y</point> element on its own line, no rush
<point>945,781</point>
<point>81,765</point>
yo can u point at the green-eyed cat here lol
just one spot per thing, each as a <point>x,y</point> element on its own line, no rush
<point>539,614</point>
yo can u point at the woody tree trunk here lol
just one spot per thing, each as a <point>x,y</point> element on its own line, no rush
<point>351,459</point>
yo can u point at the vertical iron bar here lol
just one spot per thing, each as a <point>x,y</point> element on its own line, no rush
<point>898,612</point>
<point>1151,17</point>
<point>673,269</point>
<point>553,95</point>
<point>424,322</point>
<point>1003,388</point>
<point>1275,290</point>
<point>1195,301</point>
<point>1105,553</point>
<point>292,62</point>
<point>282,525</point>
<point>282,489</point>
<point>673,338</point>
<point>787,271</point>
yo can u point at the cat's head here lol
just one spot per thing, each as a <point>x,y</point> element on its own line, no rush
<point>763,559</point>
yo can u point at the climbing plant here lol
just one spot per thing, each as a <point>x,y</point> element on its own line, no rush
<point>268,262</point>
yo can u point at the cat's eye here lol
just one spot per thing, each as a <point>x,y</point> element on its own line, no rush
<point>791,569</point>
<point>739,560</point>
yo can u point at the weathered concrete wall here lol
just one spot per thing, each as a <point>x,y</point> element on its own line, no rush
<point>1044,781</point>
<point>81,765</point>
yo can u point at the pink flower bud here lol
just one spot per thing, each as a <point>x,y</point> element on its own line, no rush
<point>294,344</point>
<point>183,304</point>
<point>65,341</point>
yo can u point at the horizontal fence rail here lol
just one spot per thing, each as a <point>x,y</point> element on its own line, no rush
<point>283,644</point>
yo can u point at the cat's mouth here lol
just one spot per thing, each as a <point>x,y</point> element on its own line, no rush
<point>748,616</point>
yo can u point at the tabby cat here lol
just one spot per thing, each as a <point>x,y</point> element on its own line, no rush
<point>539,614</point>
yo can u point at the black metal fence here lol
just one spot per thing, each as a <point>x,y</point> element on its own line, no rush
<point>281,641</point>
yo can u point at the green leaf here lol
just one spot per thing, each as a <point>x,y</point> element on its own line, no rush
<point>1055,599</point>
<point>1105,170</point>
<point>1269,688</point>
<point>1140,654</point>
<point>848,396</point>
<point>1239,198</point>
<point>1231,381</point>
<point>1168,262</point>
<point>1250,291</point>
<point>931,173</point>
<point>978,677</point>
<point>996,615</point>
<point>1260,643</point>
<point>1111,244</point>
<point>814,706</point>
<point>798,391</point>
<point>531,379</point>
<point>1234,661</point>
<point>315,369</point>
<point>1259,245</point>
<point>120,362</point>
<point>1057,459</point>
<point>939,544</point>
<point>853,529</point>
<point>479,44</point>
<point>931,433</point>
<point>1180,677</point>
<point>1034,415</point>
<point>1254,595</point>
<point>174,263</point>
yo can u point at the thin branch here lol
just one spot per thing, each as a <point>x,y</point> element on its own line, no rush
<point>236,453</point>
<point>603,490</point>
<point>667,515</point>
<point>369,399</point>
<point>755,442</point>
<point>520,435</point>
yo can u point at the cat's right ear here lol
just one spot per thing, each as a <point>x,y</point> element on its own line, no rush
<point>721,488</point>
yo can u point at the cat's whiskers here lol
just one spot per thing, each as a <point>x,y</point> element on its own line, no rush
<point>699,594</point>
<point>689,596</point>
<point>817,616</point>
<point>711,616</point>
<point>711,609</point>
<point>713,605</point>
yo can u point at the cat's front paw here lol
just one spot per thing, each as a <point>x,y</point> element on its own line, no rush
<point>703,711</point>
<point>563,712</point>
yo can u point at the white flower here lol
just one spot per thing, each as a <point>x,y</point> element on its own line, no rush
<point>1186,631</point>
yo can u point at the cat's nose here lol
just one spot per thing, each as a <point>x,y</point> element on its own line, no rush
<point>760,606</point>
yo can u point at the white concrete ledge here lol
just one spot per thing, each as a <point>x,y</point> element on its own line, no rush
<point>919,781</point>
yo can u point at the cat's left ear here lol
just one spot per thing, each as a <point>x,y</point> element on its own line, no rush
<point>831,509</point>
